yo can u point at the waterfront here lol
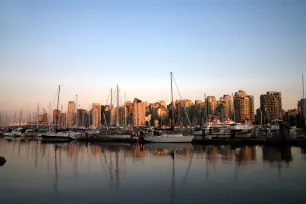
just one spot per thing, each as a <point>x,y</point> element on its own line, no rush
<point>122,173</point>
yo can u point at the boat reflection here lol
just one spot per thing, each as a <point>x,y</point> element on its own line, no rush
<point>115,161</point>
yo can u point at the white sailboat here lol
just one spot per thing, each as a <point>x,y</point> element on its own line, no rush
<point>172,137</point>
<point>59,136</point>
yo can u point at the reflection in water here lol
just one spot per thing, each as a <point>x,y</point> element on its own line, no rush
<point>277,154</point>
<point>55,185</point>
<point>303,152</point>
<point>116,163</point>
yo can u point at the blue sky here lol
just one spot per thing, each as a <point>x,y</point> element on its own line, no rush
<point>213,47</point>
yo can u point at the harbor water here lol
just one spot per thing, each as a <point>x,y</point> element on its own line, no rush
<point>37,172</point>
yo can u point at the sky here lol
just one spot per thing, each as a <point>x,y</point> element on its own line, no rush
<point>88,47</point>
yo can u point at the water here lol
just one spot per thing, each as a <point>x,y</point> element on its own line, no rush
<point>125,173</point>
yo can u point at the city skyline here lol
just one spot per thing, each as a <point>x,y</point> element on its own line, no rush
<point>88,47</point>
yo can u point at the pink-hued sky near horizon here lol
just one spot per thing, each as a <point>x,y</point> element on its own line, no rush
<point>88,47</point>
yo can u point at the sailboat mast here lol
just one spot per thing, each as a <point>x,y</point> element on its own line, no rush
<point>76,107</point>
<point>61,123</point>
<point>37,115</point>
<point>304,100</point>
<point>303,85</point>
<point>234,107</point>
<point>206,107</point>
<point>59,90</point>
<point>89,116</point>
<point>117,108</point>
<point>111,101</point>
<point>172,121</point>
<point>49,114</point>
<point>20,118</point>
<point>125,109</point>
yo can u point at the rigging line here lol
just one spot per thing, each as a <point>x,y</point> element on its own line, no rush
<point>114,98</point>
<point>181,99</point>
<point>54,99</point>
<point>108,97</point>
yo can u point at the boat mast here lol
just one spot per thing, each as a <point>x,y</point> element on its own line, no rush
<point>76,107</point>
<point>234,108</point>
<point>303,85</point>
<point>61,119</point>
<point>117,108</point>
<point>37,115</point>
<point>59,90</point>
<point>206,107</point>
<point>304,100</point>
<point>20,118</point>
<point>89,116</point>
<point>49,114</point>
<point>111,101</point>
<point>125,122</point>
<point>172,121</point>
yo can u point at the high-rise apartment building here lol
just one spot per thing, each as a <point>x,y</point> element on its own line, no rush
<point>96,115</point>
<point>243,107</point>
<point>139,112</point>
<point>181,106</point>
<point>271,105</point>
<point>63,120</point>
<point>212,104</point>
<point>81,117</point>
<point>227,106</point>
<point>302,109</point>
<point>71,114</point>
<point>128,113</point>
<point>56,116</point>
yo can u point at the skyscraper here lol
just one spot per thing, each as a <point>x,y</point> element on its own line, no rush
<point>226,102</point>
<point>80,117</point>
<point>56,116</point>
<point>302,109</point>
<point>96,115</point>
<point>212,104</point>
<point>71,114</point>
<point>243,107</point>
<point>271,105</point>
<point>139,112</point>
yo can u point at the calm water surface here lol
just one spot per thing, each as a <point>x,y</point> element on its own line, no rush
<point>123,173</point>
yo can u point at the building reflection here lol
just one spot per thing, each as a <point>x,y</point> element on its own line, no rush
<point>276,155</point>
<point>113,159</point>
<point>303,152</point>
<point>245,155</point>
<point>226,153</point>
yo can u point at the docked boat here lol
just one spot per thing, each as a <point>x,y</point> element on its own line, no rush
<point>241,130</point>
<point>170,137</point>
<point>61,136</point>
<point>7,132</point>
<point>29,133</point>
<point>57,135</point>
<point>14,133</point>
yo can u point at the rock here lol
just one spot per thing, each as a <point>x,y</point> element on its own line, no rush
<point>2,161</point>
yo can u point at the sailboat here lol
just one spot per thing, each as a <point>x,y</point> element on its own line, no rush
<point>172,137</point>
<point>59,136</point>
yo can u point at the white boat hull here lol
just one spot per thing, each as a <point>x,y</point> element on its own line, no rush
<point>169,138</point>
<point>8,134</point>
<point>59,136</point>
<point>115,136</point>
